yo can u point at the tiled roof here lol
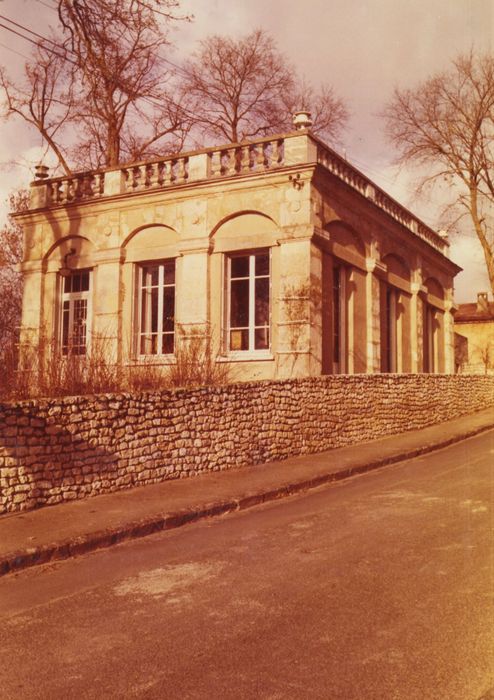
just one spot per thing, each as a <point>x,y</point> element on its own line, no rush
<point>471,312</point>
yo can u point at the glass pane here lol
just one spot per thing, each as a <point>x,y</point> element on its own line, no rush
<point>239,309</point>
<point>240,266</point>
<point>85,281</point>
<point>146,311</point>
<point>168,309</point>
<point>149,344</point>
<point>154,310</point>
<point>168,343</point>
<point>262,338</point>
<point>239,339</point>
<point>169,272</point>
<point>150,276</point>
<point>262,264</point>
<point>67,285</point>
<point>76,282</point>
<point>262,301</point>
<point>65,326</point>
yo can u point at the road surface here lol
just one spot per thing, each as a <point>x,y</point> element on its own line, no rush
<point>380,587</point>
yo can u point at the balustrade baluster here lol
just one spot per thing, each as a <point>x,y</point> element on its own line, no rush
<point>150,174</point>
<point>215,159</point>
<point>261,156</point>
<point>276,156</point>
<point>231,161</point>
<point>245,159</point>
<point>167,172</point>
<point>182,170</point>
<point>137,183</point>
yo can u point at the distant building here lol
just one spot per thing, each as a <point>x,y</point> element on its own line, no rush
<point>475,322</point>
<point>291,260</point>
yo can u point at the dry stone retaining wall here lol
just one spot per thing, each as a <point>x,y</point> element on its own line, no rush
<point>55,450</point>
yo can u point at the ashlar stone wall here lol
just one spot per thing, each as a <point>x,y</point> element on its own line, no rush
<point>56,450</point>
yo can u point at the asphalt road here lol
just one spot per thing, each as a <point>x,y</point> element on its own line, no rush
<point>380,587</point>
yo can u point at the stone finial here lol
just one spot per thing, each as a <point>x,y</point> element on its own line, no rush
<point>482,301</point>
<point>301,120</point>
<point>41,171</point>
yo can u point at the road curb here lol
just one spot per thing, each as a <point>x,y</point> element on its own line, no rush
<point>34,556</point>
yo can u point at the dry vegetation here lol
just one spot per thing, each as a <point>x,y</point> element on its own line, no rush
<point>196,364</point>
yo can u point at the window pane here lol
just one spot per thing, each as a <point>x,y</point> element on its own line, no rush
<point>78,340</point>
<point>262,338</point>
<point>336,314</point>
<point>168,343</point>
<point>262,264</point>
<point>76,282</point>
<point>67,285</point>
<point>146,311</point>
<point>262,301</point>
<point>154,310</point>
<point>239,339</point>
<point>150,276</point>
<point>85,281</point>
<point>239,310</point>
<point>240,266</point>
<point>168,309</point>
<point>169,272</point>
<point>65,326</point>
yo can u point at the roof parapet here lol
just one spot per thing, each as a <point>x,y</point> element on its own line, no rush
<point>235,159</point>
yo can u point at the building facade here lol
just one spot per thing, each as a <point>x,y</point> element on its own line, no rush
<point>475,323</point>
<point>284,256</point>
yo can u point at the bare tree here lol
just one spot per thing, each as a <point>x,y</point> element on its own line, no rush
<point>100,80</point>
<point>246,88</point>
<point>10,283</point>
<point>44,99</point>
<point>447,126</point>
<point>329,112</point>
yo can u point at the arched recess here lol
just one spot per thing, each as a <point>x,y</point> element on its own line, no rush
<point>345,243</point>
<point>433,326</point>
<point>151,243</point>
<point>344,328</point>
<point>398,272</point>
<point>244,230</point>
<point>435,292</point>
<point>74,252</point>
<point>395,315</point>
<point>67,295</point>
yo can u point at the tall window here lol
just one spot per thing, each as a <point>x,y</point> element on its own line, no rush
<point>429,338</point>
<point>156,323</point>
<point>340,321</point>
<point>248,302</point>
<point>389,323</point>
<point>75,312</point>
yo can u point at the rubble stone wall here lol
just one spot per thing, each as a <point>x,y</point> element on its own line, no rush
<point>56,450</point>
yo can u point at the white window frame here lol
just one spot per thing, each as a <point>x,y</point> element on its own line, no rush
<point>139,333</point>
<point>251,352</point>
<point>71,298</point>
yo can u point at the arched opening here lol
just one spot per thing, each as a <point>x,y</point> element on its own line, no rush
<point>395,333</point>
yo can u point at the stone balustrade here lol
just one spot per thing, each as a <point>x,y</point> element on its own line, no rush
<point>247,158</point>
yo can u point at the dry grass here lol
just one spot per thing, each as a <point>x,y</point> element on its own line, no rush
<point>45,372</point>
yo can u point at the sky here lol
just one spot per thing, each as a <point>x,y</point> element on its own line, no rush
<point>363,48</point>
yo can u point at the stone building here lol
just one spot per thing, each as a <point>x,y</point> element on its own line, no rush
<point>285,256</point>
<point>475,323</point>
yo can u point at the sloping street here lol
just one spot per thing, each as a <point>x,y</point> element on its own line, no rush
<point>378,587</point>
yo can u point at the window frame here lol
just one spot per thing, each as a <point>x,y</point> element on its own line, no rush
<point>71,298</point>
<point>139,334</point>
<point>251,351</point>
